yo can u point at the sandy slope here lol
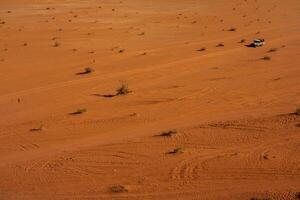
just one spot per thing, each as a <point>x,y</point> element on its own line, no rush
<point>232,111</point>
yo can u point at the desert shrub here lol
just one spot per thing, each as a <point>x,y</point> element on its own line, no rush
<point>56,44</point>
<point>232,29</point>
<point>298,111</point>
<point>118,189</point>
<point>272,50</point>
<point>255,198</point>
<point>266,58</point>
<point>88,70</point>
<point>39,128</point>
<point>202,49</point>
<point>123,89</point>
<point>79,111</point>
<point>177,150</point>
<point>168,133</point>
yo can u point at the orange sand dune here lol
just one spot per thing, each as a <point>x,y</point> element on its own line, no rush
<point>205,118</point>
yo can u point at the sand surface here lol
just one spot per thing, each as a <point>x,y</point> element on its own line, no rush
<point>206,117</point>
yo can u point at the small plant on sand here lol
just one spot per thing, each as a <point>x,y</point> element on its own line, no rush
<point>168,133</point>
<point>297,195</point>
<point>202,49</point>
<point>177,150</point>
<point>272,50</point>
<point>39,128</point>
<point>79,111</point>
<point>267,58</point>
<point>220,45</point>
<point>118,189</point>
<point>56,44</point>
<point>87,70</point>
<point>242,41</point>
<point>232,29</point>
<point>298,111</point>
<point>123,89</point>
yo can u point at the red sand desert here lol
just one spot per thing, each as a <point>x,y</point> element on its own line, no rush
<point>200,116</point>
